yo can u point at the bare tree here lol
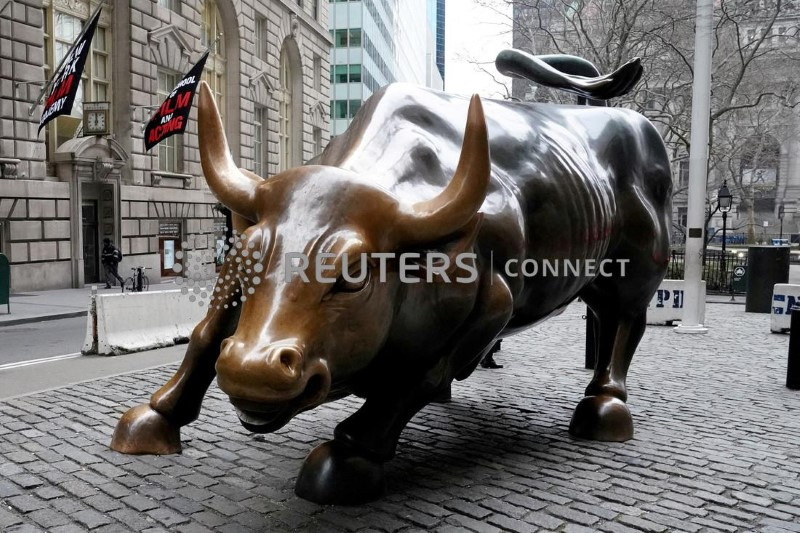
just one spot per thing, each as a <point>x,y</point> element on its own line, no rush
<point>755,80</point>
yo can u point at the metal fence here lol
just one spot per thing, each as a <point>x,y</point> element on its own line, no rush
<point>716,276</point>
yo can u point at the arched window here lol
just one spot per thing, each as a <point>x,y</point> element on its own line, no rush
<point>285,113</point>
<point>212,37</point>
<point>290,107</point>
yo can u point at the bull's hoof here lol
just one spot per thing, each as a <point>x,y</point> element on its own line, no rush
<point>144,431</point>
<point>602,418</point>
<point>334,474</point>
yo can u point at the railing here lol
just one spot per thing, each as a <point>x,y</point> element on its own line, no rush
<point>717,278</point>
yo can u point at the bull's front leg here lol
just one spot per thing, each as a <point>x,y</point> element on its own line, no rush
<point>349,469</point>
<point>154,427</point>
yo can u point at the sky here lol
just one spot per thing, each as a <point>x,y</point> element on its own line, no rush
<point>474,32</point>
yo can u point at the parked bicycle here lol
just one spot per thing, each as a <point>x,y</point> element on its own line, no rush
<point>139,281</point>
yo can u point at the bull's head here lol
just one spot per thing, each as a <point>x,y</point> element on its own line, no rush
<point>295,340</point>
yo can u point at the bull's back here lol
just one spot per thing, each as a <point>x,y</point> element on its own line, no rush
<point>558,173</point>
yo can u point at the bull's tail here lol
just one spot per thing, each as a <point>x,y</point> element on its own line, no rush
<point>571,74</point>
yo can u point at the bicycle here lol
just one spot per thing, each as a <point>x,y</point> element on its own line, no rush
<point>138,282</point>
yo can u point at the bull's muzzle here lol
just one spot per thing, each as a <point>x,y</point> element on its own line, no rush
<point>269,385</point>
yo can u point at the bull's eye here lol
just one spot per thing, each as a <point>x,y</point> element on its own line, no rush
<point>357,278</point>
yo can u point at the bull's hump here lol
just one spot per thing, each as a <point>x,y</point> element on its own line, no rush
<point>407,139</point>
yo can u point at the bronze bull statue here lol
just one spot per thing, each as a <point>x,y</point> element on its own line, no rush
<point>524,182</point>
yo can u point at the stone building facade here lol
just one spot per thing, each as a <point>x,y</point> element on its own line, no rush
<point>61,192</point>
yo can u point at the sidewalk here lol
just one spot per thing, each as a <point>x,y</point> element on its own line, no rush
<point>39,306</point>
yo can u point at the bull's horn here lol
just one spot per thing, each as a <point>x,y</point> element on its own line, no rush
<point>229,184</point>
<point>459,202</point>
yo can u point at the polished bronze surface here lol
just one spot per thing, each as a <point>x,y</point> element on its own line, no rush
<point>520,182</point>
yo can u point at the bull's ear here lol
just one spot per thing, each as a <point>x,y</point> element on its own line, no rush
<point>464,242</point>
<point>461,242</point>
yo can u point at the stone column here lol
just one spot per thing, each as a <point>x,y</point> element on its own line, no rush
<point>790,192</point>
<point>121,81</point>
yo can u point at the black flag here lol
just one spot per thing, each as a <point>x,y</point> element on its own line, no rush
<point>173,115</point>
<point>65,82</point>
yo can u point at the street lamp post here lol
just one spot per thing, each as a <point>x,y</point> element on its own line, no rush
<point>780,217</point>
<point>724,201</point>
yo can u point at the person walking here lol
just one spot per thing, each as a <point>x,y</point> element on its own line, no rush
<point>111,257</point>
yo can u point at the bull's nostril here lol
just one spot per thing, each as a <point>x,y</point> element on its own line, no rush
<point>289,359</point>
<point>286,360</point>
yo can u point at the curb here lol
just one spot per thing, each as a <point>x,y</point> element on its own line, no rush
<point>110,376</point>
<point>41,318</point>
<point>46,318</point>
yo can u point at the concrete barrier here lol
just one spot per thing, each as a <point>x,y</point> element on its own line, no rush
<point>784,297</point>
<point>666,306</point>
<point>132,322</point>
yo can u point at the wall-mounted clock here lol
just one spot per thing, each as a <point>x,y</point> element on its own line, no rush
<point>96,118</point>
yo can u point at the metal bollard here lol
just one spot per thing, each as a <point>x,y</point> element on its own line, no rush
<point>793,366</point>
<point>591,340</point>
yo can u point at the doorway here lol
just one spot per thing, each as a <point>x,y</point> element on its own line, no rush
<point>91,256</point>
<point>169,244</point>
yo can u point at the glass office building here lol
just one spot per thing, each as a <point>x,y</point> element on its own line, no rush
<point>377,42</point>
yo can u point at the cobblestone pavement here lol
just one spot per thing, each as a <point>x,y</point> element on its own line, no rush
<point>717,448</point>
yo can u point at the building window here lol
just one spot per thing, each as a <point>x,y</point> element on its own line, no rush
<point>211,37</point>
<point>683,173</point>
<point>261,38</point>
<point>339,38</point>
<point>338,73</point>
<point>172,5</point>
<point>317,141</point>
<point>259,134</point>
<point>3,238</point>
<point>315,9</point>
<point>682,217</point>
<point>346,74</point>
<point>169,156</point>
<point>101,68</point>
<point>354,74</point>
<point>345,108</point>
<point>782,35</point>
<point>317,73</point>
<point>346,37</point>
<point>61,29</point>
<point>285,113</point>
<point>339,109</point>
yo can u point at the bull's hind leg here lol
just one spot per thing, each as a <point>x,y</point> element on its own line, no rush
<point>154,428</point>
<point>603,414</point>
<point>349,469</point>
